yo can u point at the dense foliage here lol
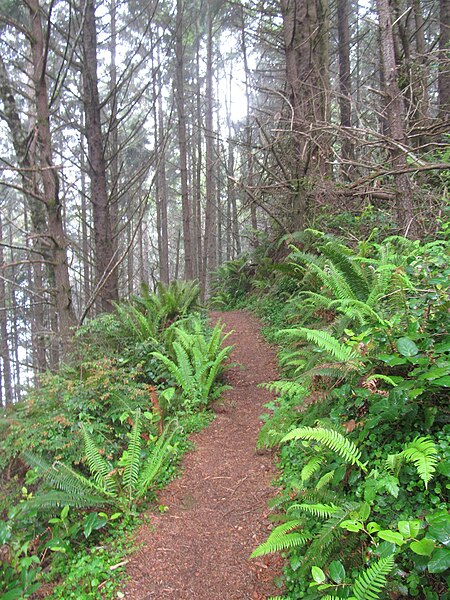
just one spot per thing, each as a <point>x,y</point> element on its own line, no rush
<point>81,456</point>
<point>361,420</point>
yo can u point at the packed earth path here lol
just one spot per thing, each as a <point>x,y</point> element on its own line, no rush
<point>217,510</point>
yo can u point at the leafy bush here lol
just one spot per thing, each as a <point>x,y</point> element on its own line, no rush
<point>103,404</point>
<point>366,357</point>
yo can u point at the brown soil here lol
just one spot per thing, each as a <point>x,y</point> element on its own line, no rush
<point>199,549</point>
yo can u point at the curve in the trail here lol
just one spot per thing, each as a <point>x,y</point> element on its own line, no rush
<point>199,549</point>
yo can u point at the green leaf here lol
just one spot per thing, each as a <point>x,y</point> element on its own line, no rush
<point>434,373</point>
<point>65,512</point>
<point>391,536</point>
<point>318,575</point>
<point>93,521</point>
<point>442,381</point>
<point>364,511</point>
<point>440,561</point>
<point>351,525</point>
<point>409,529</point>
<point>439,527</point>
<point>372,527</point>
<point>423,548</point>
<point>337,571</point>
<point>407,347</point>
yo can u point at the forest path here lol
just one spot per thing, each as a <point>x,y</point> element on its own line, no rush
<point>199,549</point>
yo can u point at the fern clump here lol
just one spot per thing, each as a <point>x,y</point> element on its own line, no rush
<point>196,364</point>
<point>122,484</point>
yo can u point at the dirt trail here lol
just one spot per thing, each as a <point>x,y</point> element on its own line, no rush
<point>199,549</point>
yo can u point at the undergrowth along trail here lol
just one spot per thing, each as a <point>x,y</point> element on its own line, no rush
<point>214,515</point>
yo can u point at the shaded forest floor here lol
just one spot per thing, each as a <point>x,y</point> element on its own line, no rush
<point>217,510</point>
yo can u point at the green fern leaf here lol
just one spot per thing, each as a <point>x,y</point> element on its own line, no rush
<point>352,273</point>
<point>100,469</point>
<point>325,480</point>
<point>133,456</point>
<point>324,341</point>
<point>282,538</point>
<point>325,541</point>
<point>371,582</point>
<point>311,467</point>
<point>153,463</point>
<point>58,499</point>
<point>323,511</point>
<point>423,454</point>
<point>333,440</point>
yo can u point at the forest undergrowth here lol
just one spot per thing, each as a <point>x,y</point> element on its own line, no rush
<point>82,456</point>
<point>361,424</point>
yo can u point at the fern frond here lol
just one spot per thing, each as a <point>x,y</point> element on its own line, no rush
<point>324,341</point>
<point>325,480</point>
<point>311,467</point>
<point>287,388</point>
<point>353,274</point>
<point>281,538</point>
<point>99,467</point>
<point>423,454</point>
<point>356,309</point>
<point>323,511</point>
<point>58,499</point>
<point>133,456</point>
<point>333,440</point>
<point>62,477</point>
<point>371,582</point>
<point>155,460</point>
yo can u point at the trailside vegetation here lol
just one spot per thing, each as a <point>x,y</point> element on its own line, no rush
<point>82,455</point>
<point>361,422</point>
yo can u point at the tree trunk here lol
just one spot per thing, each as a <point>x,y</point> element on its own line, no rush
<point>106,271</point>
<point>444,59</point>
<point>186,210</point>
<point>56,235</point>
<point>396,119</point>
<point>4,346</point>
<point>304,29</point>
<point>345,88</point>
<point>210,249</point>
<point>161,181</point>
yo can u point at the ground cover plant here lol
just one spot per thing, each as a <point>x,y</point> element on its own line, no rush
<point>362,423</point>
<point>82,455</point>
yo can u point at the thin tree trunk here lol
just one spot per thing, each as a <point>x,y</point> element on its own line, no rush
<point>210,251</point>
<point>248,139</point>
<point>198,170</point>
<point>50,181</point>
<point>186,210</point>
<point>161,179</point>
<point>345,88</point>
<point>395,118</point>
<point>444,59</point>
<point>4,337</point>
<point>106,273</point>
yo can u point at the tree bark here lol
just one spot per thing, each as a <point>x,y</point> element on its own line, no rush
<point>396,119</point>
<point>304,28</point>
<point>161,182</point>
<point>444,59</point>
<point>345,88</point>
<point>106,271</point>
<point>4,345</point>
<point>50,181</point>
<point>210,248</point>
<point>185,203</point>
